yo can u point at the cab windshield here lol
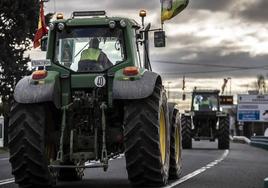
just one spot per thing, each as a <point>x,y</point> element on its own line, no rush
<point>205,102</point>
<point>89,49</point>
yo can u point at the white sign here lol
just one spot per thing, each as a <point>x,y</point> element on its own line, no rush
<point>100,81</point>
<point>252,108</point>
<point>41,63</point>
<point>1,131</point>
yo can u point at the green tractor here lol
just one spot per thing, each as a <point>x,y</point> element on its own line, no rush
<point>205,121</point>
<point>93,98</point>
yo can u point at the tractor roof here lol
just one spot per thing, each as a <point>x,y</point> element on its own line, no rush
<point>203,91</point>
<point>92,18</point>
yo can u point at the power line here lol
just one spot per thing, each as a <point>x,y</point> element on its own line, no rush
<point>231,68</point>
<point>219,71</point>
<point>211,65</point>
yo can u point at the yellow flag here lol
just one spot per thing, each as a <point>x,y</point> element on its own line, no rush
<point>171,8</point>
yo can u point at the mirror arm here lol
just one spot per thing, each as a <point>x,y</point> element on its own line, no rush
<point>150,30</point>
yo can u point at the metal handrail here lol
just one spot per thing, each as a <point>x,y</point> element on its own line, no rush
<point>260,141</point>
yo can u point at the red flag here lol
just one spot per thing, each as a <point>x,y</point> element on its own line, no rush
<point>42,28</point>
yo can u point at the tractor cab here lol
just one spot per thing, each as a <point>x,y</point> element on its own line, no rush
<point>81,45</point>
<point>205,101</point>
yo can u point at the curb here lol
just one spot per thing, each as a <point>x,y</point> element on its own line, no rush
<point>266,183</point>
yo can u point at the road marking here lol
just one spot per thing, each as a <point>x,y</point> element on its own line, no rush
<point>4,159</point>
<point>7,181</point>
<point>199,171</point>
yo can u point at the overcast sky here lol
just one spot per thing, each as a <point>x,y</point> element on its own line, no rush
<point>210,39</point>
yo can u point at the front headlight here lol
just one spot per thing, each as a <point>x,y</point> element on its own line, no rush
<point>123,23</point>
<point>61,26</point>
<point>112,24</point>
<point>51,26</point>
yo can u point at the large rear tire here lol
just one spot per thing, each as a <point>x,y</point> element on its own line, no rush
<point>28,143</point>
<point>186,132</point>
<point>175,145</point>
<point>223,133</point>
<point>147,141</point>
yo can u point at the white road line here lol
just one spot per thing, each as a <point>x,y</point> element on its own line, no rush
<point>199,171</point>
<point>12,180</point>
<point>181,180</point>
<point>4,159</point>
<point>7,181</point>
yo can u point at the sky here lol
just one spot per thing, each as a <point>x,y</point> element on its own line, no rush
<point>210,40</point>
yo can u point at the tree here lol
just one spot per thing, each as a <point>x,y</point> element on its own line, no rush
<point>18,23</point>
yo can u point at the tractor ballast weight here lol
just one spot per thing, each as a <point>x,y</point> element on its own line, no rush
<point>74,109</point>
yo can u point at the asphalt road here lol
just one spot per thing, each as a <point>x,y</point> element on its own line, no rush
<point>204,166</point>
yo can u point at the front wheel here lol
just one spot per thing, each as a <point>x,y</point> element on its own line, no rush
<point>147,140</point>
<point>175,145</point>
<point>223,133</point>
<point>186,132</point>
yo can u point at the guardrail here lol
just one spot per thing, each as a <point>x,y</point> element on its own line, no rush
<point>266,183</point>
<point>260,141</point>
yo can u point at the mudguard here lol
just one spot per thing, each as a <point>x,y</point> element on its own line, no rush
<point>136,89</point>
<point>29,91</point>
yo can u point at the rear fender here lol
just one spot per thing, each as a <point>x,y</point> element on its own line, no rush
<point>29,91</point>
<point>135,88</point>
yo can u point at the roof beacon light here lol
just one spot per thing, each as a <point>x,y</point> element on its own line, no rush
<point>143,13</point>
<point>60,16</point>
<point>131,71</point>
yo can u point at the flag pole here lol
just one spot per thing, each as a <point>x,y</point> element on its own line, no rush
<point>162,22</point>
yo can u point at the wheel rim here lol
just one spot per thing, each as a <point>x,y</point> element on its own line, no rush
<point>162,134</point>
<point>177,144</point>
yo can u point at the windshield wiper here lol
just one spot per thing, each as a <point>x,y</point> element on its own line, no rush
<point>81,50</point>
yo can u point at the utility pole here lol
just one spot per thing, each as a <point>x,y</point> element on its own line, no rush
<point>169,89</point>
<point>230,82</point>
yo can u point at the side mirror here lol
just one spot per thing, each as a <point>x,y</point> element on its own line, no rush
<point>159,39</point>
<point>44,43</point>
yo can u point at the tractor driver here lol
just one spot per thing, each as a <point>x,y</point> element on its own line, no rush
<point>205,104</point>
<point>93,58</point>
